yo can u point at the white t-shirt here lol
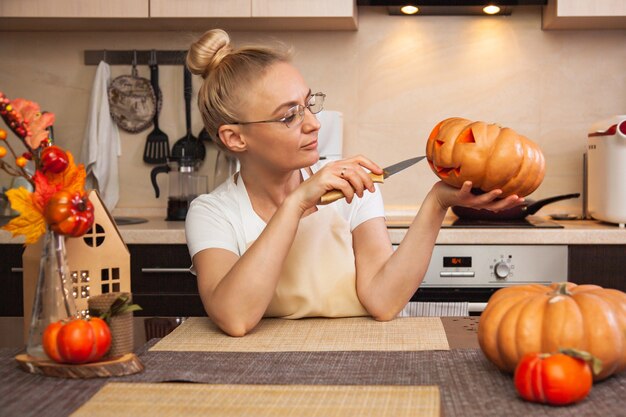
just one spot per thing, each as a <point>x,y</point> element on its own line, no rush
<point>225,218</point>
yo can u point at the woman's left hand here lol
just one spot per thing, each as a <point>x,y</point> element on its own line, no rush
<point>448,196</point>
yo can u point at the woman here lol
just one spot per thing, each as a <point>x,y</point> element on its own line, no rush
<point>260,244</point>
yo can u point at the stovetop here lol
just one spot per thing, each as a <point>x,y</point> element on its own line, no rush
<point>456,223</point>
<point>527,222</point>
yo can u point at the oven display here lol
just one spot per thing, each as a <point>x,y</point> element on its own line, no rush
<point>457,261</point>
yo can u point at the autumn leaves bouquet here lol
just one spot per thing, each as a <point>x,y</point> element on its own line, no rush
<point>58,199</point>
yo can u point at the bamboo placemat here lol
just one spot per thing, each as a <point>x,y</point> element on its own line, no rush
<point>150,400</point>
<point>199,334</point>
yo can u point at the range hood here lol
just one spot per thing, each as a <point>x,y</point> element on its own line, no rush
<point>450,7</point>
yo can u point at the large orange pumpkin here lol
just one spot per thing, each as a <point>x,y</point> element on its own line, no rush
<point>538,318</point>
<point>490,156</point>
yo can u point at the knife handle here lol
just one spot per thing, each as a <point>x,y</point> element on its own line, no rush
<point>335,195</point>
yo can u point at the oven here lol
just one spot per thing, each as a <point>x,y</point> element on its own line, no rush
<point>461,278</point>
<point>472,273</point>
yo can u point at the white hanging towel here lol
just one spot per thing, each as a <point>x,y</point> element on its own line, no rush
<point>330,137</point>
<point>101,144</point>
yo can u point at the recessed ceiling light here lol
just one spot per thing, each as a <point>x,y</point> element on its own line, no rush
<point>491,9</point>
<point>409,9</point>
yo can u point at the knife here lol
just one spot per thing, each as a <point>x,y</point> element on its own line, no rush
<point>335,195</point>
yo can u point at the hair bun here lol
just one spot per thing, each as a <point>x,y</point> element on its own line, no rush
<point>206,53</point>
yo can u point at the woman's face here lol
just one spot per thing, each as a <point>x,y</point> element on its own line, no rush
<point>281,88</point>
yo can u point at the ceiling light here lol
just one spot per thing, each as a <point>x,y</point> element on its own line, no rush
<point>491,9</point>
<point>410,9</point>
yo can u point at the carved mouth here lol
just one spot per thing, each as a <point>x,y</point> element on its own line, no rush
<point>445,172</point>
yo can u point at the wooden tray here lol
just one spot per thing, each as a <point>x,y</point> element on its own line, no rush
<point>124,365</point>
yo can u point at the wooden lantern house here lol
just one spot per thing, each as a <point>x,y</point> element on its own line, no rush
<point>99,262</point>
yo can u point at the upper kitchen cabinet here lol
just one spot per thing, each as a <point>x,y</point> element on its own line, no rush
<point>37,15</point>
<point>256,14</point>
<point>584,14</point>
<point>200,8</point>
<point>186,15</point>
<point>306,14</point>
<point>74,8</point>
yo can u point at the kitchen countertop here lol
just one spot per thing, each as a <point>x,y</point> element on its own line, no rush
<point>574,232</point>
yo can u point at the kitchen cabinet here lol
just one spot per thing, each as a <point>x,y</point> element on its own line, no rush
<point>185,15</point>
<point>584,14</point>
<point>200,8</point>
<point>161,282</point>
<point>603,265</point>
<point>74,8</point>
<point>163,286</point>
<point>11,301</point>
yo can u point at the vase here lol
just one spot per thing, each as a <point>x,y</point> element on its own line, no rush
<point>54,299</point>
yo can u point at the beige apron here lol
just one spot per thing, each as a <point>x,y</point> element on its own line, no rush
<point>319,276</point>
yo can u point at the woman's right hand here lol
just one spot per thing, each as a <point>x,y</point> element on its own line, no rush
<point>346,175</point>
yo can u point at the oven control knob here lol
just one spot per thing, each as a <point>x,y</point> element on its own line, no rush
<point>501,269</point>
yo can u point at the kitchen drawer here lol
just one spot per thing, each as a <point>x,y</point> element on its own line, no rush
<point>11,298</point>
<point>161,282</point>
<point>157,269</point>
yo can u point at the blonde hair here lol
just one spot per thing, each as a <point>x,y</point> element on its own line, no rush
<point>227,73</point>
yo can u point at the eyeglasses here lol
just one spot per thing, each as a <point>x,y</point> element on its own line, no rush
<point>295,115</point>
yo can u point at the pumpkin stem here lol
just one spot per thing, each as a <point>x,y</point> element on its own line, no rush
<point>562,289</point>
<point>594,363</point>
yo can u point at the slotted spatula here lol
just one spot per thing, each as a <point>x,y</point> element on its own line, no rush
<point>157,149</point>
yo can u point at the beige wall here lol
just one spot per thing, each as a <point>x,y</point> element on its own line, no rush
<point>393,79</point>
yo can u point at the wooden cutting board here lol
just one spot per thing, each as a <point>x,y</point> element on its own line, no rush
<point>124,365</point>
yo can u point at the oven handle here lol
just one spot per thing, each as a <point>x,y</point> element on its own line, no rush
<point>476,307</point>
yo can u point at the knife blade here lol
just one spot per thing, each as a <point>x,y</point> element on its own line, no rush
<point>335,195</point>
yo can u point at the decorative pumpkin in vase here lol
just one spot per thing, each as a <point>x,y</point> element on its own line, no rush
<point>488,155</point>
<point>537,318</point>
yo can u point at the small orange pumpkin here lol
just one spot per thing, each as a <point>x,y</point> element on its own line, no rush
<point>537,318</point>
<point>490,156</point>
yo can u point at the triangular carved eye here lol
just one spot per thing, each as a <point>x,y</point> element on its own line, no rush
<point>467,136</point>
<point>438,144</point>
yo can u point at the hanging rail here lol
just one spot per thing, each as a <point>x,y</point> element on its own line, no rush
<point>93,57</point>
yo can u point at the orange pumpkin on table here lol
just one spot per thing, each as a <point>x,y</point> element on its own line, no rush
<point>490,156</point>
<point>537,318</point>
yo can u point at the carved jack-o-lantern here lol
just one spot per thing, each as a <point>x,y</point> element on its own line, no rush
<point>490,156</point>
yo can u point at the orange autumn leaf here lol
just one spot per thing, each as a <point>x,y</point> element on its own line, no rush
<point>30,222</point>
<point>44,190</point>
<point>38,122</point>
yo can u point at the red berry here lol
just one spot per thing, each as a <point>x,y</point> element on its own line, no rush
<point>54,160</point>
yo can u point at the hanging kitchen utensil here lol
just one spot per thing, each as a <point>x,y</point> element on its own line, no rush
<point>518,212</point>
<point>157,148</point>
<point>204,136</point>
<point>188,146</point>
<point>132,101</point>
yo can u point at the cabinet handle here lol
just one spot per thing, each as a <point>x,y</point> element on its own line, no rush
<point>17,269</point>
<point>168,270</point>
